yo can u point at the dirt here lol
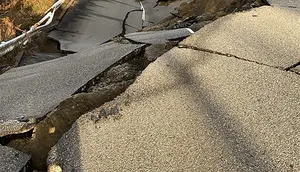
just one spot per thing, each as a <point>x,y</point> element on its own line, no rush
<point>17,16</point>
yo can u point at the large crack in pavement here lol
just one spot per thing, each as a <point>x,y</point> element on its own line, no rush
<point>102,88</point>
<point>227,55</point>
<point>289,69</point>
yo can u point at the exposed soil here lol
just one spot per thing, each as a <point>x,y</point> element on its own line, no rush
<point>19,15</point>
<point>103,88</point>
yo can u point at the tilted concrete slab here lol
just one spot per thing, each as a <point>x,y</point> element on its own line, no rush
<point>12,160</point>
<point>159,37</point>
<point>268,35</point>
<point>29,92</point>
<point>285,3</point>
<point>92,22</point>
<point>192,111</point>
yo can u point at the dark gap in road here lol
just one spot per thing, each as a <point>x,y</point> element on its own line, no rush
<point>102,88</point>
<point>292,66</point>
<point>6,139</point>
<point>41,49</point>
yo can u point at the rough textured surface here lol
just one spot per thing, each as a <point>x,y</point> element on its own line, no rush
<point>296,69</point>
<point>192,111</point>
<point>32,91</point>
<point>159,37</point>
<point>266,35</point>
<point>12,160</point>
<point>285,3</point>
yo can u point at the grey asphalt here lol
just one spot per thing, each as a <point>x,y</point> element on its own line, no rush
<point>192,111</point>
<point>94,22</point>
<point>159,37</point>
<point>156,14</point>
<point>267,35</point>
<point>30,92</point>
<point>285,3</point>
<point>12,160</point>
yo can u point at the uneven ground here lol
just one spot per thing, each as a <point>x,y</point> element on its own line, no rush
<point>19,15</point>
<point>186,15</point>
<point>221,101</point>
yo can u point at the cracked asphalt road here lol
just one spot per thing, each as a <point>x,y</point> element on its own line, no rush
<point>93,22</point>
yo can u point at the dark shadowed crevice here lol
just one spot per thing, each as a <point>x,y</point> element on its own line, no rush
<point>102,88</point>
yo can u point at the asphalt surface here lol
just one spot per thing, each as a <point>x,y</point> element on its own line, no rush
<point>155,14</point>
<point>159,37</point>
<point>192,111</point>
<point>92,22</point>
<point>12,160</point>
<point>285,3</point>
<point>96,21</point>
<point>30,92</point>
<point>267,35</point>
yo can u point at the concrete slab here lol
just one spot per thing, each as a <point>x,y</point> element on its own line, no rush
<point>285,3</point>
<point>12,160</point>
<point>159,37</point>
<point>93,22</point>
<point>192,111</point>
<point>267,35</point>
<point>29,92</point>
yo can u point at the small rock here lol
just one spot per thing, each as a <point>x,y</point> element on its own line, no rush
<point>95,118</point>
<point>103,113</point>
<point>114,110</point>
<point>54,168</point>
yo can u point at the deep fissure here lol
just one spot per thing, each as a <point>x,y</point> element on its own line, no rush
<point>46,133</point>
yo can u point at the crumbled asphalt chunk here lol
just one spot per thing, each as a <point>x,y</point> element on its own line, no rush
<point>103,113</point>
<point>23,119</point>
<point>95,118</point>
<point>114,110</point>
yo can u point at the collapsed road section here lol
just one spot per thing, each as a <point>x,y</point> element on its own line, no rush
<point>28,93</point>
<point>94,22</point>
